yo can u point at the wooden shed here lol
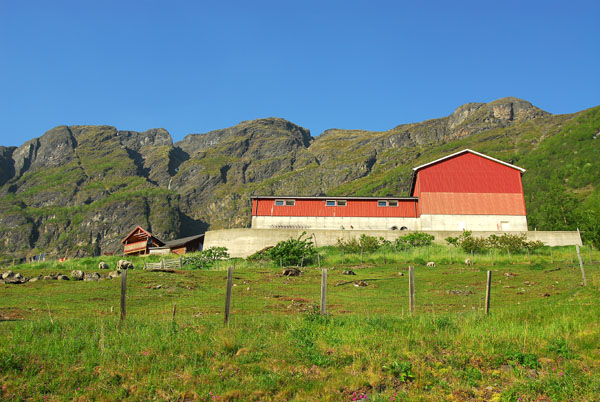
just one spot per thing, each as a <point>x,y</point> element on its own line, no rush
<point>186,244</point>
<point>139,241</point>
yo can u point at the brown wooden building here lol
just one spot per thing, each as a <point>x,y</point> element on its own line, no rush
<point>139,242</point>
<point>186,244</point>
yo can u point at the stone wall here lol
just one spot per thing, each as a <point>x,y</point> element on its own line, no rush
<point>244,242</point>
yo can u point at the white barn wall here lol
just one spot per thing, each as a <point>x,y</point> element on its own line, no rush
<point>333,223</point>
<point>510,223</point>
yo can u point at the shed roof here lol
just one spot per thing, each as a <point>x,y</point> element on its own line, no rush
<point>182,241</point>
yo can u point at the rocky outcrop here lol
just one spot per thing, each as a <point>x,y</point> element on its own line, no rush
<point>78,190</point>
<point>7,165</point>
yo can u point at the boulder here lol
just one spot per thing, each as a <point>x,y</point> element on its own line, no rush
<point>103,265</point>
<point>77,275</point>
<point>8,274</point>
<point>291,272</point>
<point>124,264</point>
<point>360,284</point>
<point>114,274</point>
<point>91,277</point>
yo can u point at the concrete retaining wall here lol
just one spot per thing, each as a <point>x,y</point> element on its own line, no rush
<point>244,242</point>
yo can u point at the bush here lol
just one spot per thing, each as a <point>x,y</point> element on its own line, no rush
<point>292,251</point>
<point>206,258</point>
<point>512,242</point>
<point>417,239</point>
<point>367,244</point>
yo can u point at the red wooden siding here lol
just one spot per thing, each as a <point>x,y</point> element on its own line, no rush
<point>469,173</point>
<point>316,207</point>
<point>469,184</point>
<point>472,204</point>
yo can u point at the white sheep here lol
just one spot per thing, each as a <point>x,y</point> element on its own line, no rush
<point>431,264</point>
<point>468,262</point>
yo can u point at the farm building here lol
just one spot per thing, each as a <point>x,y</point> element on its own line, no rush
<point>140,242</point>
<point>463,191</point>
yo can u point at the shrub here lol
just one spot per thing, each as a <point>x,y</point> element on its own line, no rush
<point>349,246</point>
<point>206,258</point>
<point>512,242</point>
<point>367,244</point>
<point>292,251</point>
<point>417,239</point>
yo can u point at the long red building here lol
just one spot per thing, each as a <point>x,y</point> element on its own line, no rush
<point>463,191</point>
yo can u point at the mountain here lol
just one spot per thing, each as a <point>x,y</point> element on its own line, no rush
<point>78,190</point>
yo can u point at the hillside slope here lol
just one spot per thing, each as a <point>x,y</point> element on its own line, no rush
<point>78,190</point>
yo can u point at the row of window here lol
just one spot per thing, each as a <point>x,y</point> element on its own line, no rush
<point>337,203</point>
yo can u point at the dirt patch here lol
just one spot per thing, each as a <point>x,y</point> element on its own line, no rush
<point>294,299</point>
<point>12,314</point>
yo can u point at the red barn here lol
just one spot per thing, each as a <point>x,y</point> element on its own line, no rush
<point>472,191</point>
<point>334,212</point>
<point>465,190</point>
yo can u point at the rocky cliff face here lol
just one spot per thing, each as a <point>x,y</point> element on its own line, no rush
<point>78,190</point>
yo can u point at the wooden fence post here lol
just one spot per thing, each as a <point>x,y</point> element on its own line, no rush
<point>174,311</point>
<point>324,292</point>
<point>411,289</point>
<point>361,255</point>
<point>180,262</point>
<point>162,263</point>
<point>551,256</point>
<point>487,292</point>
<point>581,265</point>
<point>228,294</point>
<point>342,255</point>
<point>123,293</point>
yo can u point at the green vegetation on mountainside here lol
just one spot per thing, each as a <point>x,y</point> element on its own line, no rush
<point>79,189</point>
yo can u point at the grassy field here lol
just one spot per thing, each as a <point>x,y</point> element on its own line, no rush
<point>63,340</point>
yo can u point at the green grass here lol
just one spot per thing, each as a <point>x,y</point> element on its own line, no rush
<point>540,340</point>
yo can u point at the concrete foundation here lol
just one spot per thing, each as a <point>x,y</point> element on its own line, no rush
<point>333,223</point>
<point>502,223</point>
<point>245,242</point>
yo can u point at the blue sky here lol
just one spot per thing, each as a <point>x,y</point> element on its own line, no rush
<point>196,66</point>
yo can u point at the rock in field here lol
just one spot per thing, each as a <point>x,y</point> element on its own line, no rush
<point>114,274</point>
<point>291,272</point>
<point>103,265</point>
<point>91,277</point>
<point>124,264</point>
<point>77,275</point>
<point>8,274</point>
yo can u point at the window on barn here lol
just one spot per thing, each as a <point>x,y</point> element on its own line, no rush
<point>279,202</point>
<point>392,203</point>
<point>341,203</point>
<point>330,203</point>
<point>290,203</point>
<point>382,203</point>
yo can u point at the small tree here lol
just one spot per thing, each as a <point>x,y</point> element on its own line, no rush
<point>292,251</point>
